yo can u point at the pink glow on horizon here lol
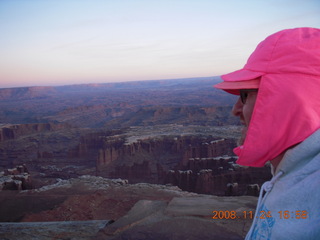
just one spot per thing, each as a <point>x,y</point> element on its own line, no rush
<point>70,42</point>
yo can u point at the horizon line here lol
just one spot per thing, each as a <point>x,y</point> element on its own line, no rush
<point>115,82</point>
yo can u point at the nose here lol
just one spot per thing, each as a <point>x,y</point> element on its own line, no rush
<point>237,108</point>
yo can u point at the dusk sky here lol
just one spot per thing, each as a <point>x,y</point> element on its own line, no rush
<point>60,42</point>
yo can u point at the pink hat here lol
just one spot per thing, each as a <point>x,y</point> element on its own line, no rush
<point>282,52</point>
<point>287,108</point>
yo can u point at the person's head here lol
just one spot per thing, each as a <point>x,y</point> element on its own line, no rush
<point>279,89</point>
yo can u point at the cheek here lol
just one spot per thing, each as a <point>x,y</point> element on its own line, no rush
<point>247,113</point>
<point>248,108</point>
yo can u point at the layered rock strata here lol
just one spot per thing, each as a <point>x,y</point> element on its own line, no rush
<point>224,178</point>
<point>201,163</point>
<point>194,164</point>
<point>13,131</point>
<point>151,159</point>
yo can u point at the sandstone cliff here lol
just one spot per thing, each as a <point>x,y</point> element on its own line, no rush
<point>194,164</point>
<point>13,131</point>
<point>150,159</point>
<point>195,161</point>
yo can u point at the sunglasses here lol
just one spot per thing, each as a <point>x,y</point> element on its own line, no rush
<point>244,94</point>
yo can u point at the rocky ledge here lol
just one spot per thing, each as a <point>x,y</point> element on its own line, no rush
<point>79,230</point>
<point>100,208</point>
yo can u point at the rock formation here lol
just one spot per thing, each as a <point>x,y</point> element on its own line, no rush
<point>198,163</point>
<point>152,158</point>
<point>13,131</point>
<point>194,164</point>
<point>17,178</point>
<point>219,176</point>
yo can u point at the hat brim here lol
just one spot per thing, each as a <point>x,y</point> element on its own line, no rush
<point>242,75</point>
<point>241,79</point>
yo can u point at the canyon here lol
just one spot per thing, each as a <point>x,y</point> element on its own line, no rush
<point>118,104</point>
<point>199,160</point>
<point>154,140</point>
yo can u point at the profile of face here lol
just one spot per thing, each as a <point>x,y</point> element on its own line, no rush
<point>243,109</point>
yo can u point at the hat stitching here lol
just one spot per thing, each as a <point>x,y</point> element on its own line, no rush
<point>272,53</point>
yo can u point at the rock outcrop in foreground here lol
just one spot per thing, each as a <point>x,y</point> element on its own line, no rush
<point>186,217</point>
<point>77,230</point>
<point>101,208</point>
